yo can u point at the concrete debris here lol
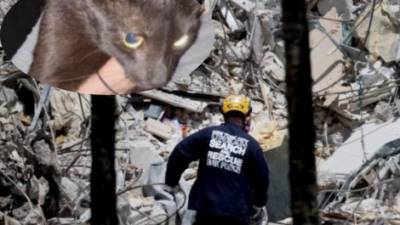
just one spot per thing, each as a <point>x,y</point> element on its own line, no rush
<point>273,66</point>
<point>38,189</point>
<point>361,146</point>
<point>268,134</point>
<point>177,101</point>
<point>61,221</point>
<point>383,111</point>
<point>69,112</point>
<point>142,155</point>
<point>371,192</point>
<point>69,188</point>
<point>45,157</point>
<point>263,26</point>
<point>326,60</point>
<point>154,111</point>
<point>159,129</point>
<point>85,216</point>
<point>229,17</point>
<point>383,35</point>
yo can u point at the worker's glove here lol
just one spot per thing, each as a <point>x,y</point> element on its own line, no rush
<point>176,194</point>
<point>258,215</point>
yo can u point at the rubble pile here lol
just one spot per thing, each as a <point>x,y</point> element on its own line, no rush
<point>28,166</point>
<point>370,195</point>
<point>45,157</point>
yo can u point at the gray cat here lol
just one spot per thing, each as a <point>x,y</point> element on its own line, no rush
<point>147,37</point>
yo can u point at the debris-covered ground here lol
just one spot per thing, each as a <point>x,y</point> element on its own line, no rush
<point>45,155</point>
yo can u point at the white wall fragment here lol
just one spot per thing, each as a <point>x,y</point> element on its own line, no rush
<point>358,148</point>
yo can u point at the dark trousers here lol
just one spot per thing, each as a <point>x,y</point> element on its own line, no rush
<point>216,220</point>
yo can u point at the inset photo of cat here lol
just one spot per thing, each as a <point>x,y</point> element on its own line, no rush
<point>107,47</point>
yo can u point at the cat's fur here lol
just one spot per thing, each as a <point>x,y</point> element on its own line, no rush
<point>77,37</point>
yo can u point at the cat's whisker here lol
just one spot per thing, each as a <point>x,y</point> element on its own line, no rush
<point>72,78</point>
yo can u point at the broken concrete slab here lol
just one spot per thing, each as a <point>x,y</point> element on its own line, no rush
<point>357,102</point>
<point>159,129</point>
<point>175,100</point>
<point>142,155</point>
<point>61,221</point>
<point>361,146</point>
<point>372,189</point>
<point>273,66</point>
<point>154,215</point>
<point>392,8</point>
<point>200,82</point>
<point>384,38</point>
<point>8,96</point>
<point>262,26</point>
<point>383,111</point>
<point>70,188</point>
<point>268,134</point>
<point>327,61</point>
<point>85,216</point>
<point>231,20</point>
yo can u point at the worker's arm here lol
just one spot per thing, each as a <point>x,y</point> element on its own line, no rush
<point>259,177</point>
<point>188,150</point>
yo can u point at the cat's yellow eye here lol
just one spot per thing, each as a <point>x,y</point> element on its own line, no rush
<point>181,42</point>
<point>132,40</point>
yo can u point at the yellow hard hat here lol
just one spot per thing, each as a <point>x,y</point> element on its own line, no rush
<point>239,103</point>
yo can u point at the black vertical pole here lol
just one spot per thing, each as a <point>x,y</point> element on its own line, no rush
<point>302,173</point>
<point>102,180</point>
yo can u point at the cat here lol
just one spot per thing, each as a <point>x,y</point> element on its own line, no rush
<point>147,37</point>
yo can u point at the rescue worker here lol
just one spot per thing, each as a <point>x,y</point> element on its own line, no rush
<point>233,176</point>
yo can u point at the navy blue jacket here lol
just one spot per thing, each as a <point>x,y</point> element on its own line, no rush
<point>232,176</point>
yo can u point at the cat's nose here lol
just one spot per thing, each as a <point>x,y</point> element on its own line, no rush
<point>156,70</point>
<point>158,75</point>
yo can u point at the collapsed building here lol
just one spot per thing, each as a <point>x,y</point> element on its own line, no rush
<point>44,135</point>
